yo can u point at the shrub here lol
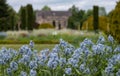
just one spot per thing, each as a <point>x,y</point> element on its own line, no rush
<point>45,26</point>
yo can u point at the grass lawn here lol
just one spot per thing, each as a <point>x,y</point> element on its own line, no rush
<point>37,46</point>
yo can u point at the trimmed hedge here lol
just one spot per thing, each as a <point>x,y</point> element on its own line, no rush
<point>26,42</point>
<point>103,24</point>
<point>45,26</point>
<point>115,22</point>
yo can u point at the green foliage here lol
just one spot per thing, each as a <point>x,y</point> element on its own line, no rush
<point>30,20</point>
<point>103,25</point>
<point>95,18</point>
<point>76,20</point>
<point>78,17</point>
<point>46,8</point>
<point>89,13</point>
<point>7,16</point>
<point>27,17</point>
<point>12,22</point>
<point>114,17</point>
<point>23,17</point>
<point>45,25</point>
<point>88,24</point>
<point>12,18</point>
<point>4,14</point>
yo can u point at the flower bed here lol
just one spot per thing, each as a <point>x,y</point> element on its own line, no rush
<point>89,59</point>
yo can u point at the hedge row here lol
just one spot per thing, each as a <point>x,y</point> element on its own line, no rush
<point>115,22</point>
<point>26,42</point>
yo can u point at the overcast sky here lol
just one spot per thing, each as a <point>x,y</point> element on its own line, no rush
<point>64,4</point>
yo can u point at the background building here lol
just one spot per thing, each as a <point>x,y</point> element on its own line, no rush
<point>59,19</point>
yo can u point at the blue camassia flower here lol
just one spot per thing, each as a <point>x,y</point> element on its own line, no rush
<point>98,49</point>
<point>86,52</point>
<point>25,50</point>
<point>14,66</point>
<point>52,64</point>
<point>56,49</point>
<point>73,62</point>
<point>110,39</point>
<point>53,60</point>
<point>117,49</point>
<point>9,71</point>
<point>44,52</point>
<point>88,42</point>
<point>53,56</point>
<point>118,73</point>
<point>82,67</point>
<point>87,71</point>
<point>67,51</point>
<point>108,49</point>
<point>2,62</point>
<point>31,44</point>
<point>33,64</point>
<point>101,40</point>
<point>25,59</point>
<point>43,59</point>
<point>109,69</point>
<point>33,72</point>
<point>62,61</point>
<point>115,59</point>
<point>82,45</point>
<point>22,48</point>
<point>5,55</point>
<point>63,43</point>
<point>68,71</point>
<point>76,55</point>
<point>22,73</point>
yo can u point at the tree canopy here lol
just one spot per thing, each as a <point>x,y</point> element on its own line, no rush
<point>76,20</point>
<point>46,8</point>
<point>27,17</point>
<point>7,16</point>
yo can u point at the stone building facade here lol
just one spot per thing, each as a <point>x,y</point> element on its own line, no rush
<point>59,19</point>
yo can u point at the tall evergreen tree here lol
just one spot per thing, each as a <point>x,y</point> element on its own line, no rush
<point>23,18</point>
<point>95,18</point>
<point>4,15</point>
<point>30,17</point>
<point>12,18</point>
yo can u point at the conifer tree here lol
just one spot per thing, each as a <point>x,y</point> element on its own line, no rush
<point>23,18</point>
<point>4,15</point>
<point>29,17</point>
<point>95,18</point>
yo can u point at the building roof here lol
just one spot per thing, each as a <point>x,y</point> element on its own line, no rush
<point>53,13</point>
